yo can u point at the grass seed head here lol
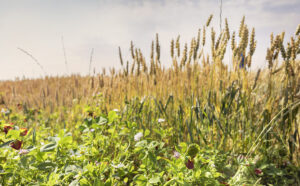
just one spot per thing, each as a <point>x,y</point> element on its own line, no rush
<point>209,20</point>
<point>242,26</point>
<point>298,30</point>
<point>120,56</point>
<point>178,46</point>
<point>252,43</point>
<point>227,29</point>
<point>203,37</point>
<point>172,48</point>
<point>233,44</point>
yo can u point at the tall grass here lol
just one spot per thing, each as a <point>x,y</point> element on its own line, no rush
<point>200,98</point>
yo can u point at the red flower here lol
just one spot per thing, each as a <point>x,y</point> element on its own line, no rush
<point>7,127</point>
<point>258,171</point>
<point>23,131</point>
<point>189,164</point>
<point>19,105</point>
<point>16,144</point>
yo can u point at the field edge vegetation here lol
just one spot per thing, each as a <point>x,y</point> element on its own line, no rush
<point>197,122</point>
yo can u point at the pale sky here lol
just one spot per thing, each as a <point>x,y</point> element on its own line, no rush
<point>38,26</point>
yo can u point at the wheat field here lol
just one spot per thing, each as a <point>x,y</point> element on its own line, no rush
<point>200,98</point>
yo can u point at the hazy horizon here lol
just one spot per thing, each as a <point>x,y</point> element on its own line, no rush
<point>38,27</point>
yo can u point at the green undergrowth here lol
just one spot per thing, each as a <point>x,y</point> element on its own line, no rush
<point>94,147</point>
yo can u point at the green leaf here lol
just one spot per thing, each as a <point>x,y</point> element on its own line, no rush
<point>102,121</point>
<point>147,132</point>
<point>40,156</point>
<point>160,132</point>
<point>14,134</point>
<point>49,147</point>
<point>82,127</point>
<point>153,145</point>
<point>183,147</point>
<point>34,136</point>
<point>6,143</point>
<point>46,166</point>
<point>112,116</point>
<point>98,182</point>
<point>208,174</point>
<point>169,182</point>
<point>140,179</point>
<point>142,143</point>
<point>74,183</point>
<point>84,181</point>
<point>193,150</point>
<point>72,168</point>
<point>66,140</point>
<point>54,139</point>
<point>152,157</point>
<point>108,182</point>
<point>154,180</point>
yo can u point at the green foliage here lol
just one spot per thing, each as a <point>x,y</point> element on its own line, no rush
<point>197,124</point>
<point>121,149</point>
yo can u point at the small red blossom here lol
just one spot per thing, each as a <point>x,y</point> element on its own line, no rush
<point>23,131</point>
<point>7,127</point>
<point>91,114</point>
<point>17,144</point>
<point>189,164</point>
<point>258,171</point>
<point>19,105</point>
